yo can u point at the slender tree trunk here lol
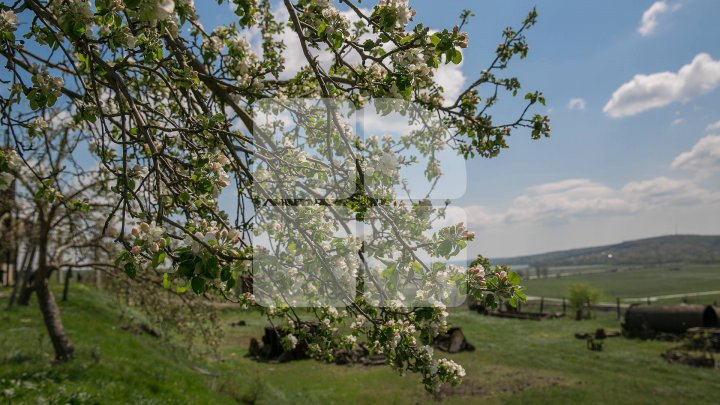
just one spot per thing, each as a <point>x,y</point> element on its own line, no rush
<point>68,275</point>
<point>26,289</point>
<point>46,299</point>
<point>51,314</point>
<point>26,263</point>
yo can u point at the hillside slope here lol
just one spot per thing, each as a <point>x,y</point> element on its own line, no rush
<point>658,250</point>
<point>111,366</point>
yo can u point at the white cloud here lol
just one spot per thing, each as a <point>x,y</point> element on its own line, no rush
<point>645,92</point>
<point>677,121</point>
<point>649,21</point>
<point>663,191</point>
<point>704,157</point>
<point>576,104</point>
<point>713,127</point>
<point>571,199</point>
<point>452,79</point>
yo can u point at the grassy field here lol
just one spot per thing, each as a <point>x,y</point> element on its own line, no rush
<point>637,282</point>
<point>515,362</point>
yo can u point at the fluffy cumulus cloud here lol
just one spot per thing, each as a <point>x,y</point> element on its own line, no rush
<point>645,92</point>
<point>713,127</point>
<point>704,157</point>
<point>452,79</point>
<point>576,103</point>
<point>570,199</point>
<point>651,16</point>
<point>581,198</point>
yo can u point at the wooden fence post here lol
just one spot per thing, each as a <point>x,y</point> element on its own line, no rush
<point>618,309</point>
<point>564,306</point>
<point>542,304</point>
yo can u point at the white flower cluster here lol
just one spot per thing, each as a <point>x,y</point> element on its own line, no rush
<point>11,159</point>
<point>449,370</point>
<point>335,20</point>
<point>375,72</point>
<point>48,84</point>
<point>401,9</point>
<point>213,44</point>
<point>38,125</point>
<point>140,172</point>
<point>242,60</point>
<point>291,340</point>
<point>415,61</point>
<point>216,166</point>
<point>73,14</point>
<point>153,11</point>
<point>8,21</point>
<point>400,330</point>
<point>323,3</point>
<point>209,233</point>
<point>438,285</point>
<point>247,300</point>
<point>476,278</point>
<point>190,4</point>
<point>148,236</point>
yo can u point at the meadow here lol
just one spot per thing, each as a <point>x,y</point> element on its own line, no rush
<point>627,282</point>
<point>514,362</point>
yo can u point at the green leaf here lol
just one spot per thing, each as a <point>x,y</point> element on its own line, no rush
<point>368,45</point>
<point>198,285</point>
<point>225,273</point>
<point>159,258</point>
<point>435,39</point>
<point>184,197</point>
<point>457,57</point>
<point>390,270</point>
<point>514,278</point>
<point>406,39</point>
<point>131,3</point>
<point>186,268</point>
<point>130,269</point>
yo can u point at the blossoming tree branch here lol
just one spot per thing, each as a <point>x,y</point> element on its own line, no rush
<point>236,175</point>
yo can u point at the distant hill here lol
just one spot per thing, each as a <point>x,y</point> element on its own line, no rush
<point>662,249</point>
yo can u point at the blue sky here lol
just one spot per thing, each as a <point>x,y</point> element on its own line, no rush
<point>623,183</point>
<point>636,154</point>
<point>630,156</point>
<point>606,174</point>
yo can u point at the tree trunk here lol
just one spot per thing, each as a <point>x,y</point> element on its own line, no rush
<point>26,289</point>
<point>26,264</point>
<point>51,314</point>
<point>66,287</point>
<point>46,299</point>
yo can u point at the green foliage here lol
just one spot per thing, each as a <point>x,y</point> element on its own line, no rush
<point>581,296</point>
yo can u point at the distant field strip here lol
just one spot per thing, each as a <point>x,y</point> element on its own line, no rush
<point>673,296</point>
<point>636,284</point>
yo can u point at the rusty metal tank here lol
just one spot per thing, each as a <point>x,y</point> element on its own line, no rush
<point>668,318</point>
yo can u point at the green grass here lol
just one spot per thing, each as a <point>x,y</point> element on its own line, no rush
<point>111,365</point>
<point>637,282</point>
<point>515,362</point>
